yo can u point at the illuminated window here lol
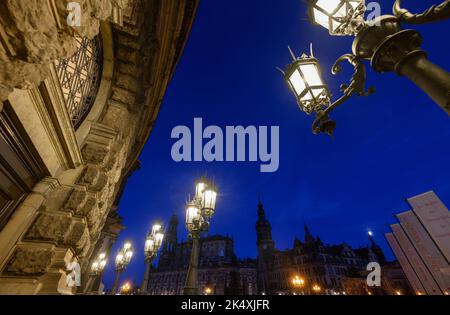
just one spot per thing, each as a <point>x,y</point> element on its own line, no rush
<point>80,76</point>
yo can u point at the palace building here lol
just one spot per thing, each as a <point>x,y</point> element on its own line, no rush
<point>77,104</point>
<point>220,271</point>
<point>333,269</point>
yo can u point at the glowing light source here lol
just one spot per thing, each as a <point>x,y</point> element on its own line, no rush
<point>304,78</point>
<point>339,17</point>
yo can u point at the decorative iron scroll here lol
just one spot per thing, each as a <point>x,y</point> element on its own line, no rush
<point>433,14</point>
<point>356,87</point>
<point>80,77</point>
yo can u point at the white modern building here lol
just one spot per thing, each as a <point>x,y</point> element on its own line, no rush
<point>421,243</point>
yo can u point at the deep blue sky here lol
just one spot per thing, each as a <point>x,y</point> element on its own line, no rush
<point>392,144</point>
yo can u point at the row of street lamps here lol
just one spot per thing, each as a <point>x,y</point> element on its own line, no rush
<point>199,212</point>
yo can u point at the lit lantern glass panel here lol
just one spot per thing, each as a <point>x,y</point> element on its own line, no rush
<point>199,188</point>
<point>149,245</point>
<point>209,199</point>
<point>128,255</point>
<point>192,215</point>
<point>95,265</point>
<point>304,78</point>
<point>337,15</point>
<point>119,259</point>
<point>158,240</point>
<point>156,228</point>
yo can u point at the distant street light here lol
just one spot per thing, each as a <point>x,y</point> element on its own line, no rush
<point>382,41</point>
<point>298,283</point>
<point>317,289</point>
<point>123,258</point>
<point>152,245</point>
<point>208,291</point>
<point>96,270</point>
<point>199,212</point>
<point>126,288</point>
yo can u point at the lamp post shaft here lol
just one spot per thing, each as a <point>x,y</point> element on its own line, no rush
<point>144,286</point>
<point>429,77</point>
<point>89,284</point>
<point>191,286</point>
<point>116,283</point>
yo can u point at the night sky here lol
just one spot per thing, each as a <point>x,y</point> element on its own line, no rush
<point>392,144</point>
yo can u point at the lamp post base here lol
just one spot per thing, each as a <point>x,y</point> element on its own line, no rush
<point>190,291</point>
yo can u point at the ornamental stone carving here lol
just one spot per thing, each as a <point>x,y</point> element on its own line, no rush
<point>49,227</point>
<point>78,237</point>
<point>76,201</point>
<point>35,33</point>
<point>94,154</point>
<point>30,261</point>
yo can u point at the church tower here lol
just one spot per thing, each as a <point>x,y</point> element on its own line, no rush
<point>266,248</point>
<point>263,230</point>
<point>169,243</point>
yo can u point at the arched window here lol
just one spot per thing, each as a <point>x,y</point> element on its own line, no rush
<point>80,77</point>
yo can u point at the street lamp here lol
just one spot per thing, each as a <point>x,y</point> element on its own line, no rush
<point>298,282</point>
<point>199,212</point>
<point>152,245</point>
<point>123,258</point>
<point>207,291</point>
<point>317,289</point>
<point>126,288</point>
<point>340,17</point>
<point>304,78</point>
<point>382,41</point>
<point>97,268</point>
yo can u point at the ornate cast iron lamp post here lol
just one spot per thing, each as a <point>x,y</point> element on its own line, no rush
<point>382,41</point>
<point>123,258</point>
<point>96,270</point>
<point>152,245</point>
<point>198,215</point>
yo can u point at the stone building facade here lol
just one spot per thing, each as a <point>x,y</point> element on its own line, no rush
<point>219,268</point>
<point>331,267</point>
<point>77,104</point>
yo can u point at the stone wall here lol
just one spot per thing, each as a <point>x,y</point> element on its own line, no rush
<point>70,216</point>
<point>34,33</point>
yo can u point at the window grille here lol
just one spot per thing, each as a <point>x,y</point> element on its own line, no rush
<point>80,77</point>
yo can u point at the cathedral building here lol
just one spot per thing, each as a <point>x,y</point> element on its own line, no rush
<point>81,84</point>
<point>220,271</point>
<point>326,267</point>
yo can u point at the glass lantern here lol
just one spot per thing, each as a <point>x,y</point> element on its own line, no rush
<point>200,186</point>
<point>156,228</point>
<point>149,246</point>
<point>209,202</point>
<point>338,16</point>
<point>158,240</point>
<point>304,78</point>
<point>192,216</point>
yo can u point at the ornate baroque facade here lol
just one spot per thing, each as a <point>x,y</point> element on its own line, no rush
<point>335,268</point>
<point>219,269</point>
<point>77,105</point>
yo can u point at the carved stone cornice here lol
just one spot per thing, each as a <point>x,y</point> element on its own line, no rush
<point>35,33</point>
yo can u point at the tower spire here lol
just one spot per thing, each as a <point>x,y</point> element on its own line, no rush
<point>261,213</point>
<point>308,235</point>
